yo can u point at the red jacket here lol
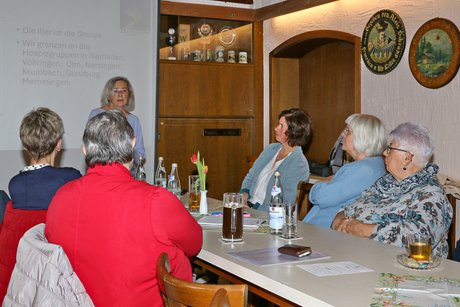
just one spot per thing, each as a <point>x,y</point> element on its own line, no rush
<point>113,229</point>
<point>15,223</point>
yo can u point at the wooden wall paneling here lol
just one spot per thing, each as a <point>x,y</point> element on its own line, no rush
<point>203,89</point>
<point>258,60</point>
<point>286,7</point>
<point>226,156</point>
<point>232,13</point>
<point>209,11</point>
<point>327,92</point>
<point>284,89</point>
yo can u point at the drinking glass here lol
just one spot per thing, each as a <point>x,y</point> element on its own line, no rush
<point>194,192</point>
<point>419,247</point>
<point>232,226</point>
<point>290,221</point>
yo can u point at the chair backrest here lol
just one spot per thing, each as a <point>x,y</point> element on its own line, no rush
<point>178,292</point>
<point>303,188</point>
<point>220,299</point>
<point>452,239</point>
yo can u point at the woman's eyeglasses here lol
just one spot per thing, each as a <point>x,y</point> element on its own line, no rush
<point>117,91</point>
<point>389,148</point>
<point>346,131</point>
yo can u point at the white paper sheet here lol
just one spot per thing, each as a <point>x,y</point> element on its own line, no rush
<point>334,268</point>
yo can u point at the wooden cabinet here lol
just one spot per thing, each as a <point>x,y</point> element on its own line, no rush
<point>183,36</point>
<point>213,107</point>
<point>206,90</point>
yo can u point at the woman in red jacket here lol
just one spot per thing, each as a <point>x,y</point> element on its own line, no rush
<point>113,228</point>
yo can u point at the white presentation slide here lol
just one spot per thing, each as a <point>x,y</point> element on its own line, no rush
<point>59,54</point>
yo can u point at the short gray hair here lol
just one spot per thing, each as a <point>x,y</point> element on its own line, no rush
<point>108,138</point>
<point>110,85</point>
<point>416,139</point>
<point>369,134</point>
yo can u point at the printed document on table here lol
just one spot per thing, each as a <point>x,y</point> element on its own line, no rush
<point>334,268</point>
<point>271,256</point>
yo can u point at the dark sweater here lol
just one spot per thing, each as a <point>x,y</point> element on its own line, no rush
<point>33,190</point>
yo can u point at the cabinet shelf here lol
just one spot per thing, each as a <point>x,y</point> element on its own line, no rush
<point>181,62</point>
<point>205,38</point>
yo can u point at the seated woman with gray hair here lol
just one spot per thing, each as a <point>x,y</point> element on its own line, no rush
<point>407,200</point>
<point>364,139</point>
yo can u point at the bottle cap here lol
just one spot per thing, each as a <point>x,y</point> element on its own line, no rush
<point>174,165</point>
<point>160,158</point>
<point>277,173</point>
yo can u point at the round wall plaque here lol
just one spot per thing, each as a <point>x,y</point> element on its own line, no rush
<point>434,53</point>
<point>383,42</point>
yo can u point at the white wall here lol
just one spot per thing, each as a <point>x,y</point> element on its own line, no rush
<point>70,49</point>
<point>395,97</point>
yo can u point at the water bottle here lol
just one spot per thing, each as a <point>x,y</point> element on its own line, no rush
<point>276,212</point>
<point>140,172</point>
<point>173,181</point>
<point>160,174</point>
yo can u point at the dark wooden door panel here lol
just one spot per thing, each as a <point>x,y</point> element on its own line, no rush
<point>225,155</point>
<point>206,89</point>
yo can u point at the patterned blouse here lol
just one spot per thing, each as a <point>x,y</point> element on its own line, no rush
<point>417,204</point>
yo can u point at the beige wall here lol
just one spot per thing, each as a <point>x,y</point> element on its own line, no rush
<point>395,97</point>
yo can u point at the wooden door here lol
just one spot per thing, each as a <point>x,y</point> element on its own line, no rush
<point>320,73</point>
<point>327,93</point>
<point>224,144</point>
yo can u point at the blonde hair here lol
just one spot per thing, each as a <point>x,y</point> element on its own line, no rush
<point>40,132</point>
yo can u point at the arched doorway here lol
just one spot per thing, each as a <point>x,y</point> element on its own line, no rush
<point>319,72</point>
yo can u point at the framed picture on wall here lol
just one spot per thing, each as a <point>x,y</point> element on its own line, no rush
<point>434,53</point>
<point>383,42</point>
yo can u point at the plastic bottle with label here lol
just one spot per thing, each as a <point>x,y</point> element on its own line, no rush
<point>174,181</point>
<point>140,172</point>
<point>160,174</point>
<point>276,211</point>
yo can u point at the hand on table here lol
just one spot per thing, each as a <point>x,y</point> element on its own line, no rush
<point>351,226</point>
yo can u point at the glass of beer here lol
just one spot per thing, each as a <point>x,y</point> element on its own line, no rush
<point>419,247</point>
<point>232,225</point>
<point>194,193</point>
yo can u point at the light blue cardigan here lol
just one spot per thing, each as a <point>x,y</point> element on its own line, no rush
<point>344,188</point>
<point>293,169</point>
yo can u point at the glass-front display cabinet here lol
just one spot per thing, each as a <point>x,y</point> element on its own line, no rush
<point>205,40</point>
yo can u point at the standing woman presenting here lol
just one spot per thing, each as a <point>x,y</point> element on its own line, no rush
<point>117,94</point>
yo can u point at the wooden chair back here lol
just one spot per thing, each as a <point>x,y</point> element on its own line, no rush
<point>220,299</point>
<point>178,292</point>
<point>451,237</point>
<point>303,205</point>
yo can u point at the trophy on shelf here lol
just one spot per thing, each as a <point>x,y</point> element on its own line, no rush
<point>171,41</point>
<point>205,32</point>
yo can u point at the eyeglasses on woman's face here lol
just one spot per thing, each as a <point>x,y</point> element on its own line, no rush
<point>347,131</point>
<point>389,148</point>
<point>118,91</point>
